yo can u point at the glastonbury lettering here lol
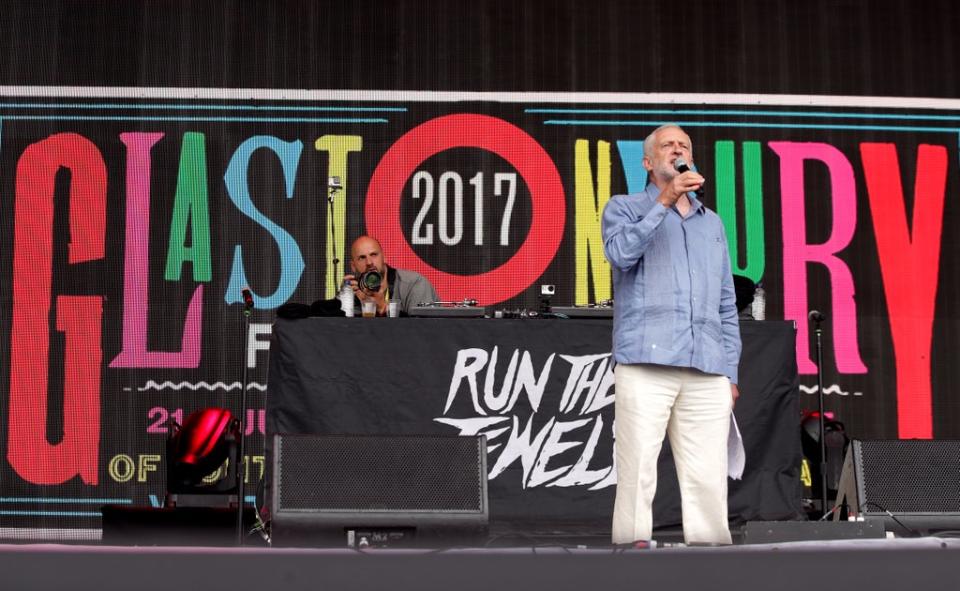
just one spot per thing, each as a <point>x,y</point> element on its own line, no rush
<point>131,234</point>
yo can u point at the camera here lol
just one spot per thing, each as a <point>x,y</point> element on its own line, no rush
<point>370,281</point>
<point>546,292</point>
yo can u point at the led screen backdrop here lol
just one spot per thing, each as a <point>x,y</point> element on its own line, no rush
<point>132,225</point>
<point>151,166</point>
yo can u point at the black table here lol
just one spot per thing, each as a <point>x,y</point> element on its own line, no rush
<point>542,391</point>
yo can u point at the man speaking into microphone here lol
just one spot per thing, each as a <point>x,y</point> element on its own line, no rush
<point>676,341</point>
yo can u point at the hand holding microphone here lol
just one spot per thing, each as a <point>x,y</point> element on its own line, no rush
<point>690,182</point>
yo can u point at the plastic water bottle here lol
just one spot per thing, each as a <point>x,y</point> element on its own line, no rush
<point>346,299</point>
<point>759,308</point>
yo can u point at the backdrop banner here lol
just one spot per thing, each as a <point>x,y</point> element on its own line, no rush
<point>542,393</point>
<point>132,218</point>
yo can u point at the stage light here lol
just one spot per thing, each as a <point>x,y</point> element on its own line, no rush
<point>836,443</point>
<point>197,449</point>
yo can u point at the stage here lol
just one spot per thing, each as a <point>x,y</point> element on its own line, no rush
<point>917,563</point>
<point>175,176</point>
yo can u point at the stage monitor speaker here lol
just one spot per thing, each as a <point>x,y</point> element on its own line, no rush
<point>777,532</point>
<point>369,490</point>
<point>913,485</point>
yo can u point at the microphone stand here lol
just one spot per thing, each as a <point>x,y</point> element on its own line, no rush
<point>241,459</point>
<point>332,188</point>
<point>817,318</point>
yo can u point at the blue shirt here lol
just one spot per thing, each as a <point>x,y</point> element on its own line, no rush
<point>675,301</point>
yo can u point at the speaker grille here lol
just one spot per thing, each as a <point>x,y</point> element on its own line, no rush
<point>911,476</point>
<point>373,474</point>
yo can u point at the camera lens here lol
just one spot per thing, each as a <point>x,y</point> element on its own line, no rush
<point>370,281</point>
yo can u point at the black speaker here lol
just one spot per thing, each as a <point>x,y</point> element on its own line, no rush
<point>369,490</point>
<point>776,532</point>
<point>126,525</point>
<point>913,485</point>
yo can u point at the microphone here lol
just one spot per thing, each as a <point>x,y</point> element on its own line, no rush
<point>815,316</point>
<point>334,184</point>
<point>681,166</point>
<point>247,298</point>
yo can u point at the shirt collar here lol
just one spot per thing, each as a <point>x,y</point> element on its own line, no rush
<point>695,203</point>
<point>391,279</point>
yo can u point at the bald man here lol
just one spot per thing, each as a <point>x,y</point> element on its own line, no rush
<point>410,287</point>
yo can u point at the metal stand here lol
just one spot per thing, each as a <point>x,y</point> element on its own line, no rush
<point>333,185</point>
<point>816,317</point>
<point>847,489</point>
<point>245,376</point>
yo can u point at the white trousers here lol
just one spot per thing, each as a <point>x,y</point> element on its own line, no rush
<point>693,409</point>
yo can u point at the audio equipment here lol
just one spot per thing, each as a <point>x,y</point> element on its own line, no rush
<point>372,490</point>
<point>912,485</point>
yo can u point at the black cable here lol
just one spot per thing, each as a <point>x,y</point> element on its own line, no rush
<point>492,539</point>
<point>535,542</point>
<point>260,525</point>
<point>893,517</point>
<point>829,513</point>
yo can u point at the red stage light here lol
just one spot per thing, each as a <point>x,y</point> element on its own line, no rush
<point>201,445</point>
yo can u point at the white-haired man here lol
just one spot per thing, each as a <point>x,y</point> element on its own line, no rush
<point>676,343</point>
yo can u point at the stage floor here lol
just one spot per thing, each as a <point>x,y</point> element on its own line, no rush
<point>914,563</point>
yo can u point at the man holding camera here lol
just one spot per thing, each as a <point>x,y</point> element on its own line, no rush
<point>373,280</point>
<point>676,341</point>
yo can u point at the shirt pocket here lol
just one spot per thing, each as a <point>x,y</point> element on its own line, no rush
<point>717,248</point>
<point>716,251</point>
